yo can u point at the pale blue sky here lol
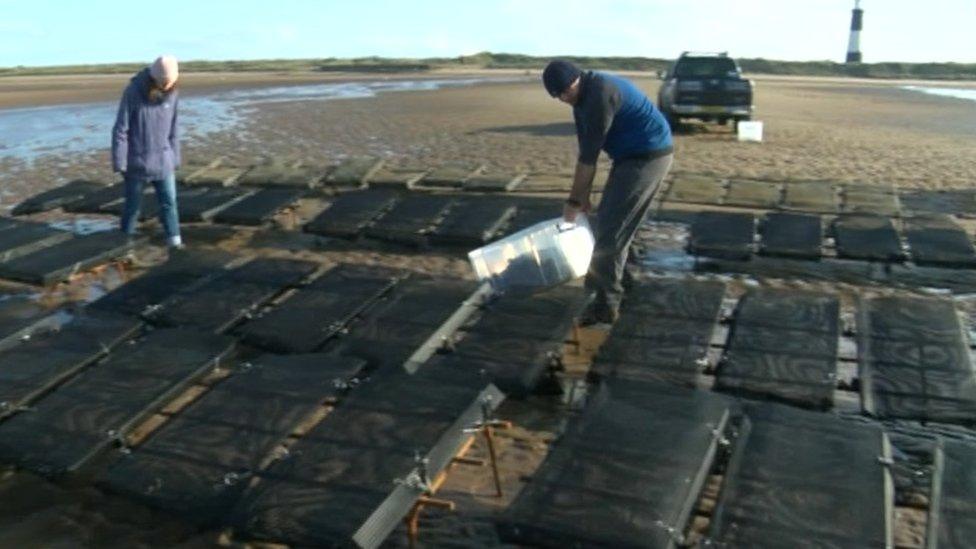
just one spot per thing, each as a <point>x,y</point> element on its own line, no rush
<point>49,32</point>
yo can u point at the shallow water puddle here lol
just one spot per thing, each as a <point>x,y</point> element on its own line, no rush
<point>29,133</point>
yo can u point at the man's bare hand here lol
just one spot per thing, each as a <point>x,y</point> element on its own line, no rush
<point>570,211</point>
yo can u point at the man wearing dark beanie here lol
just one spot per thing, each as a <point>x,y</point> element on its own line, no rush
<point>612,115</point>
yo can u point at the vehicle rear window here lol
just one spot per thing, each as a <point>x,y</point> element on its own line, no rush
<point>705,67</point>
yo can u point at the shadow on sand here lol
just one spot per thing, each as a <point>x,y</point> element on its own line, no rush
<point>559,129</point>
<point>555,129</point>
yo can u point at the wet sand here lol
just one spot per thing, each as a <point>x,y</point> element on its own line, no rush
<point>815,129</point>
<point>34,91</point>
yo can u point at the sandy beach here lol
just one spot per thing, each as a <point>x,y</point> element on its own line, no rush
<point>815,129</point>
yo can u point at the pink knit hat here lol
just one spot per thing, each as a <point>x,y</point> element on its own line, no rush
<point>165,69</point>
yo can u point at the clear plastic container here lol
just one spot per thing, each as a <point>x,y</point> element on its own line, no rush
<point>544,255</point>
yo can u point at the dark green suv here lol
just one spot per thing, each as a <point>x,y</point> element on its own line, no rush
<point>706,86</point>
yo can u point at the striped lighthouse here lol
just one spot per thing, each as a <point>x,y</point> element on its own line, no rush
<point>854,44</point>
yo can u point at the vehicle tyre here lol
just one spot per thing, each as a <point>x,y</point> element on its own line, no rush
<point>673,120</point>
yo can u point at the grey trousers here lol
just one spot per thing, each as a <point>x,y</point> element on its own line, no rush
<point>626,198</point>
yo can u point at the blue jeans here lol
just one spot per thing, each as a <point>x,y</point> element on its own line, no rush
<point>165,195</point>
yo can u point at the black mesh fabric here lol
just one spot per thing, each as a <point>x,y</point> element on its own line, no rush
<point>515,364</point>
<point>673,354</point>
<point>258,208</point>
<point>200,492</point>
<point>677,298</point>
<point>625,474</point>
<point>867,237</point>
<point>530,210</point>
<point>423,300</point>
<point>545,316</point>
<point>309,376</point>
<point>505,324</point>
<point>784,346</point>
<point>23,237</point>
<point>362,279</point>
<point>21,316</point>
<point>560,301</point>
<point>56,263</point>
<point>696,189</point>
<point>914,360</point>
<point>451,174</point>
<point>29,369</point>
<point>225,299</point>
<point>811,197</point>
<point>278,174</point>
<point>663,332</point>
<point>410,218</point>
<point>392,330</point>
<point>749,193</point>
<point>307,319</point>
<point>939,241</point>
<point>791,235</point>
<point>852,272</point>
<point>202,206</point>
<point>807,381</point>
<point>92,201</point>
<point>493,182</point>
<point>305,514</point>
<point>789,309</point>
<point>351,212</point>
<point>83,416</point>
<point>242,420</point>
<point>56,197</point>
<point>378,355</point>
<point>304,322</point>
<point>517,379</point>
<point>148,208</point>
<point>353,172</point>
<point>381,429</point>
<point>944,201</point>
<point>952,516</point>
<point>152,288</point>
<point>473,222</point>
<point>722,234</point>
<point>338,486</point>
<point>804,476</point>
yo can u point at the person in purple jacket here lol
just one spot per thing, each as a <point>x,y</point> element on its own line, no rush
<point>146,146</point>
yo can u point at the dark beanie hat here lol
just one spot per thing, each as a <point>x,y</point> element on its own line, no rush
<point>559,75</point>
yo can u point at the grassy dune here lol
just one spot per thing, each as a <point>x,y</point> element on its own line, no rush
<point>488,60</point>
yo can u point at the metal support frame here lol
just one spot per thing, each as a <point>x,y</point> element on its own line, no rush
<point>419,478</point>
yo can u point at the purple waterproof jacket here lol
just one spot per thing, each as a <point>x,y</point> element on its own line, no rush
<point>145,142</point>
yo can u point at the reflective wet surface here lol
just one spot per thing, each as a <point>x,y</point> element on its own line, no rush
<point>29,133</point>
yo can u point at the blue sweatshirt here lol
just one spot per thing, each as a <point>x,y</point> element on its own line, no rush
<point>614,115</point>
<point>145,142</point>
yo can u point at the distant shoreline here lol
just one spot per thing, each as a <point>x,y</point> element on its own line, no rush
<point>503,61</point>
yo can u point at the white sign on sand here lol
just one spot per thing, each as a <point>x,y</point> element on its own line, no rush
<point>750,131</point>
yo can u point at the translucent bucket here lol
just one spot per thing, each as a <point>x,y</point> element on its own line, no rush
<point>544,255</point>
